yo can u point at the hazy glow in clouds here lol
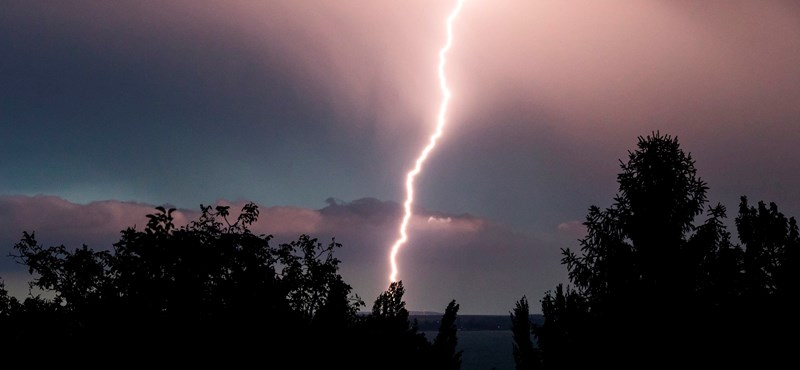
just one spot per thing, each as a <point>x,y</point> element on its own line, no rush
<point>629,61</point>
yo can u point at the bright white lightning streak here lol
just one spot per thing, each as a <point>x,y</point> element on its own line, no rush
<point>440,123</point>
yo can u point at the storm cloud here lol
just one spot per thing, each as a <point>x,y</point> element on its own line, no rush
<point>287,103</point>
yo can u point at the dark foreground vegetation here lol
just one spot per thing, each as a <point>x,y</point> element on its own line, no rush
<point>211,291</point>
<point>650,286</point>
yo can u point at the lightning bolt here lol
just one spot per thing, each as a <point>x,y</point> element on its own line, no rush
<point>423,156</point>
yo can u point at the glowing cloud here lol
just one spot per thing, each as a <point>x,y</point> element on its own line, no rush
<point>440,122</point>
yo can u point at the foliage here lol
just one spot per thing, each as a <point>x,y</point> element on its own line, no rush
<point>566,326</point>
<point>197,283</point>
<point>388,332</point>
<point>443,351</point>
<point>8,305</point>
<point>525,356</point>
<point>213,287</point>
<point>634,245</point>
<point>771,249</point>
<point>648,279</point>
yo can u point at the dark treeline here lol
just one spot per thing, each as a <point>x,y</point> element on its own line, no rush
<point>651,285</point>
<point>211,291</point>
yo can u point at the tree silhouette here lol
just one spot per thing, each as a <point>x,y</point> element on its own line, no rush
<point>8,305</point>
<point>567,326</point>
<point>771,281</point>
<point>391,339</point>
<point>659,197</point>
<point>212,287</point>
<point>634,245</point>
<point>525,356</point>
<point>650,285</point>
<point>210,284</point>
<point>443,351</point>
<point>772,242</point>
<point>628,267</point>
<point>390,307</point>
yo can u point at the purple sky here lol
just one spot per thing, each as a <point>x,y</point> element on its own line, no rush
<point>316,109</point>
